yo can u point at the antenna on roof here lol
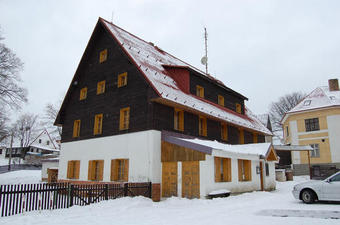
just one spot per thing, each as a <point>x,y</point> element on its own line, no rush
<point>112,17</point>
<point>204,59</point>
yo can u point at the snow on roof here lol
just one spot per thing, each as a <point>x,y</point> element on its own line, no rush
<point>293,147</point>
<point>258,149</point>
<point>151,61</point>
<point>321,97</point>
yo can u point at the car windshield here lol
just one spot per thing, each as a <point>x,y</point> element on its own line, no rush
<point>335,178</point>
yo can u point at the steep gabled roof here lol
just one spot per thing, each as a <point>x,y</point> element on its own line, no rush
<point>319,98</point>
<point>151,61</point>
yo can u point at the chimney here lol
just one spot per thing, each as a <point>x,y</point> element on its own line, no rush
<point>333,85</point>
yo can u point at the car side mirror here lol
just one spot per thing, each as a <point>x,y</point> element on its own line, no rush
<point>328,180</point>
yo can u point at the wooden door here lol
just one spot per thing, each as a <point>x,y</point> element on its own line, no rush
<point>169,179</point>
<point>190,179</point>
<point>261,175</point>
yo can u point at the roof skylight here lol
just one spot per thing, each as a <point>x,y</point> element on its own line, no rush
<point>307,102</point>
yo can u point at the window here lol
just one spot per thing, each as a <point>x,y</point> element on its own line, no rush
<point>222,169</point>
<point>76,129</point>
<point>221,100</point>
<point>83,93</point>
<point>124,118</point>
<point>73,169</point>
<point>287,131</point>
<point>95,171</point>
<point>103,56</point>
<point>98,124</point>
<point>312,124</point>
<point>100,87</point>
<point>224,132</point>
<point>120,170</point>
<point>335,178</point>
<point>267,169</point>
<point>199,91</point>
<point>39,141</point>
<point>122,79</point>
<point>238,108</point>
<point>179,120</point>
<point>244,170</point>
<point>241,136</point>
<point>316,151</point>
<point>202,126</point>
<point>48,142</point>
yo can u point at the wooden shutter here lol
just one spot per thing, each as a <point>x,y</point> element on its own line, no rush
<point>239,161</point>
<point>217,169</point>
<point>126,170</point>
<point>247,170</point>
<point>101,169</point>
<point>76,128</point>
<point>181,120</point>
<point>241,137</point>
<point>225,169</point>
<point>254,137</point>
<point>69,169</point>
<point>90,170</point>
<point>114,170</point>
<point>76,169</point>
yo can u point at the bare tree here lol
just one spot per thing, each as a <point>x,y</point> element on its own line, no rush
<point>25,128</point>
<point>4,126</point>
<point>11,93</point>
<point>283,105</point>
<point>51,112</point>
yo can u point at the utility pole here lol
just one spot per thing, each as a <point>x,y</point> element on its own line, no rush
<point>206,49</point>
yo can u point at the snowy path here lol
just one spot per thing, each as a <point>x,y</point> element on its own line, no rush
<point>246,209</point>
<point>21,177</point>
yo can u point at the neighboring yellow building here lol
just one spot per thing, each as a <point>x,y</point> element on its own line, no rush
<point>315,121</point>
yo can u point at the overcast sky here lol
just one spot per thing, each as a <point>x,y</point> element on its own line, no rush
<point>262,49</point>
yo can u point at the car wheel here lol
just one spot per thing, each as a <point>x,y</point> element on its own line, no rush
<point>308,196</point>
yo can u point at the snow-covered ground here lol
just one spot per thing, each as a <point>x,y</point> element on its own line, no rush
<point>277,207</point>
<point>21,177</point>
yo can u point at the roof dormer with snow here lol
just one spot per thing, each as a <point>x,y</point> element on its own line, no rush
<point>124,84</point>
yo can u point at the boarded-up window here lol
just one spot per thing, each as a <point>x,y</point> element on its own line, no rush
<point>221,100</point>
<point>101,87</point>
<point>122,79</point>
<point>238,108</point>
<point>103,56</point>
<point>224,132</point>
<point>83,93</point>
<point>120,170</point>
<point>179,120</point>
<point>124,118</point>
<point>199,91</point>
<point>98,124</point>
<point>222,169</point>
<point>202,126</point>
<point>95,171</point>
<point>76,128</point>
<point>73,169</point>
<point>244,170</point>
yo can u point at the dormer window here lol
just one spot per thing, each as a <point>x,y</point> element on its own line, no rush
<point>238,108</point>
<point>220,100</point>
<point>307,102</point>
<point>199,91</point>
<point>48,142</point>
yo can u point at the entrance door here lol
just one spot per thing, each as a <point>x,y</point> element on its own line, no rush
<point>190,179</point>
<point>169,179</point>
<point>261,175</point>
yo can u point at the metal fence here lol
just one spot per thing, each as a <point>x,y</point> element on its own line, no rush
<point>20,198</point>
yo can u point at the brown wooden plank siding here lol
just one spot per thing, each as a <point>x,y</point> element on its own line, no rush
<point>211,92</point>
<point>248,137</point>
<point>261,138</point>
<point>176,153</point>
<point>135,94</point>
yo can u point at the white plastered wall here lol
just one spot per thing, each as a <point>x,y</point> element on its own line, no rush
<point>143,149</point>
<point>333,123</point>
<point>295,141</point>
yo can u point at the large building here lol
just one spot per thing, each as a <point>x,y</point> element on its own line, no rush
<point>133,113</point>
<point>315,121</point>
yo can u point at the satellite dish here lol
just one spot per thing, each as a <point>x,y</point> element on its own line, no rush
<point>204,60</point>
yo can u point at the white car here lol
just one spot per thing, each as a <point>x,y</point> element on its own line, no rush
<point>322,190</point>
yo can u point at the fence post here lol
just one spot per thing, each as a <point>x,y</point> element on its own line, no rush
<point>106,191</point>
<point>71,194</point>
<point>150,189</point>
<point>126,186</point>
<point>90,195</point>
